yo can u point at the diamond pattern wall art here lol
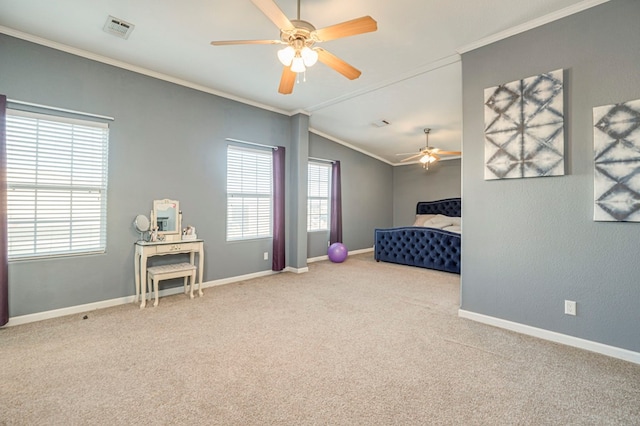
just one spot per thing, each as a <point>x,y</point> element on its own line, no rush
<point>616,144</point>
<point>524,128</point>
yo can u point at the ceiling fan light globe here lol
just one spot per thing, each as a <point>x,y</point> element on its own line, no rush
<point>285,56</point>
<point>297,65</point>
<point>309,56</point>
<point>428,159</point>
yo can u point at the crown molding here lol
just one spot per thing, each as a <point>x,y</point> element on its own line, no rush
<point>551,17</point>
<point>432,66</point>
<point>348,145</point>
<point>355,148</point>
<point>299,111</point>
<point>140,70</point>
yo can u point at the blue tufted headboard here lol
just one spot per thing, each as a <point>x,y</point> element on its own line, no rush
<point>447,207</point>
<point>422,246</point>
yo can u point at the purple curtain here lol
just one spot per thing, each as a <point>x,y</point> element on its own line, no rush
<point>335,229</point>
<point>278,260</point>
<point>4,263</point>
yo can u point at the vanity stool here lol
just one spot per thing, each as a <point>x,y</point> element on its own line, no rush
<point>174,270</point>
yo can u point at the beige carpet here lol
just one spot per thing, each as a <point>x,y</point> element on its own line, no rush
<point>358,343</point>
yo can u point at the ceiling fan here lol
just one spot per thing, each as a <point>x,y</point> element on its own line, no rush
<point>428,154</point>
<point>300,36</point>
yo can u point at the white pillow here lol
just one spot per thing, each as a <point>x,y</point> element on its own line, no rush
<point>457,221</point>
<point>439,221</point>
<point>421,218</point>
<point>453,228</point>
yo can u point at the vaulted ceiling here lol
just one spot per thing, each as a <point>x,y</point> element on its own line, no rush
<point>411,73</point>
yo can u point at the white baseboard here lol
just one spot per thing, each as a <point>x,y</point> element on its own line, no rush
<point>296,270</point>
<point>612,351</point>
<point>39,316</point>
<point>235,279</point>
<point>88,307</point>
<point>325,257</point>
<point>317,259</point>
<point>360,251</point>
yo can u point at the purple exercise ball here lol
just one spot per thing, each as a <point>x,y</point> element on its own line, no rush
<point>337,252</point>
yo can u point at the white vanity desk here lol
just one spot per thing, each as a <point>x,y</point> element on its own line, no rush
<point>145,250</point>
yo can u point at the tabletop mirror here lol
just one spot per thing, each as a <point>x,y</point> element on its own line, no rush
<point>166,216</point>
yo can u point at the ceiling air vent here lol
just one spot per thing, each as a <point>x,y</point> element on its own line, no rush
<point>118,27</point>
<point>381,123</point>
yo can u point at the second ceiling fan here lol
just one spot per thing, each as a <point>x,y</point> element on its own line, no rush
<point>300,37</point>
<point>429,154</point>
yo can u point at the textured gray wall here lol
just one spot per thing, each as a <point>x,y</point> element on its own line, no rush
<point>412,183</point>
<point>167,141</point>
<point>367,195</point>
<point>529,244</point>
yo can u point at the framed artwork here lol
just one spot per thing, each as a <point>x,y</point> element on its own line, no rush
<point>524,128</point>
<point>616,145</point>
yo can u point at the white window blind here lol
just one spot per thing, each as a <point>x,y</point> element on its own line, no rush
<point>318,196</point>
<point>56,185</point>
<point>249,192</point>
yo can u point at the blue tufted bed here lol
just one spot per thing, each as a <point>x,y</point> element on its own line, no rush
<point>422,245</point>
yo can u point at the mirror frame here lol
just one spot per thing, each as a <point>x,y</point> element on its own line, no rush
<point>176,206</point>
<point>139,220</point>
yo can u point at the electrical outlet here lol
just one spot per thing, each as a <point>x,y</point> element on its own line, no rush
<point>266,255</point>
<point>569,307</point>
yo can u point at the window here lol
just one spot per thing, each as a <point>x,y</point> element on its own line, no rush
<point>318,197</point>
<point>56,185</point>
<point>249,192</point>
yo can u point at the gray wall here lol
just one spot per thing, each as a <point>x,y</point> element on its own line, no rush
<point>529,244</point>
<point>367,196</point>
<point>412,183</point>
<point>167,141</point>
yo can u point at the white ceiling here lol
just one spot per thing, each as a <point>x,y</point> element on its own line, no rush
<point>411,73</point>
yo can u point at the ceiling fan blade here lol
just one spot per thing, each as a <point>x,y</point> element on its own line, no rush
<point>439,152</point>
<point>229,42</point>
<point>287,81</point>
<point>365,24</point>
<point>273,12</point>
<point>411,158</point>
<point>337,64</point>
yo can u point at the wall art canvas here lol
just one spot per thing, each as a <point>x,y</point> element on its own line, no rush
<point>524,128</point>
<point>616,144</point>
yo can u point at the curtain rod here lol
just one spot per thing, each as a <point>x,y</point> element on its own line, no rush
<point>70,111</point>
<point>324,160</point>
<point>251,143</point>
